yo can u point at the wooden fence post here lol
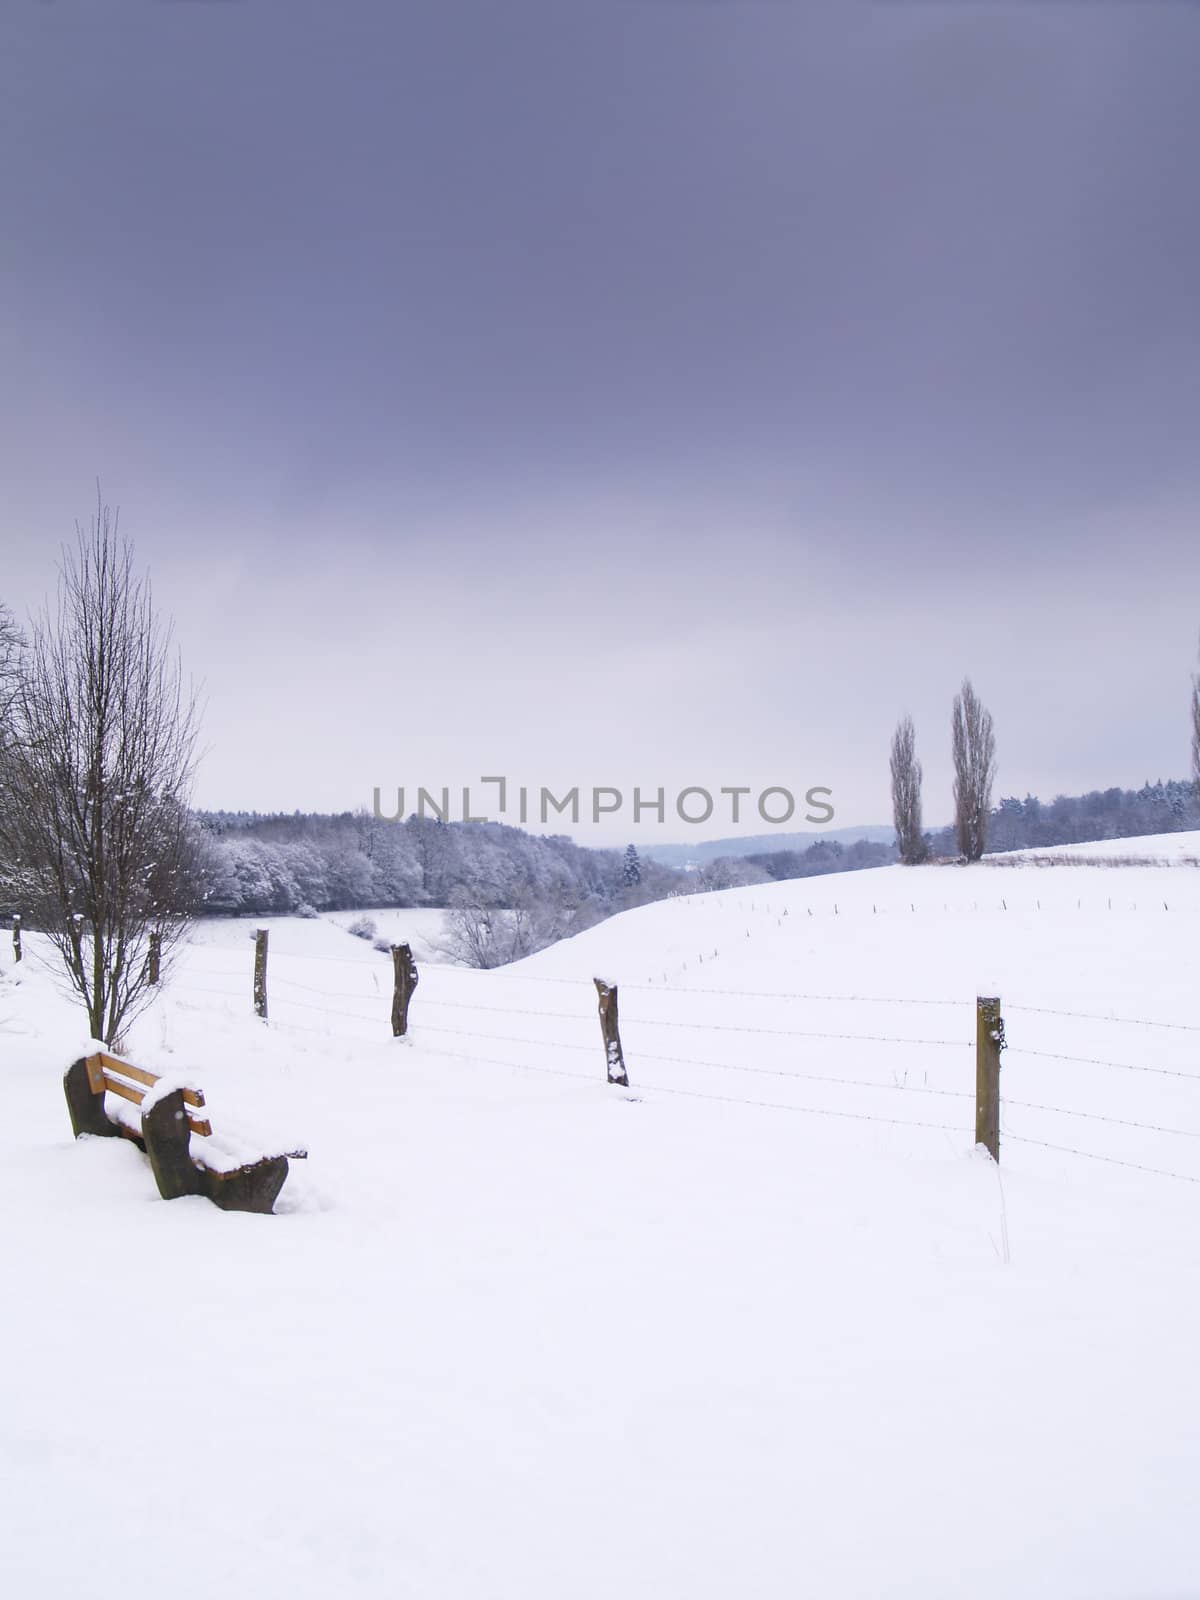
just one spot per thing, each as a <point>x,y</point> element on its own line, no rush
<point>260,972</point>
<point>406,978</point>
<point>989,1041</point>
<point>17,937</point>
<point>614,1056</point>
<point>154,958</point>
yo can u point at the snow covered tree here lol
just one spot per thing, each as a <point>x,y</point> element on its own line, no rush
<point>631,874</point>
<point>906,794</point>
<point>11,646</point>
<point>974,751</point>
<point>435,852</point>
<point>101,758</point>
<point>1007,824</point>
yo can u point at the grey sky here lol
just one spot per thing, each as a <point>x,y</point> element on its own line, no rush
<point>620,393</point>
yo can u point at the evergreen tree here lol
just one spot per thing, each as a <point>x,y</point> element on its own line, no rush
<point>632,874</point>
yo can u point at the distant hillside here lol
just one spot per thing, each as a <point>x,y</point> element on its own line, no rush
<point>702,851</point>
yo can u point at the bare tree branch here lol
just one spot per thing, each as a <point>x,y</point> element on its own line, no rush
<point>12,645</point>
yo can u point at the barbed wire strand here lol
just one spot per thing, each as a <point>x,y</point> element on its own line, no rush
<point>696,1094</point>
<point>333,1011</point>
<point>334,994</point>
<point>300,1027</point>
<point>340,961</point>
<point>792,1033</point>
<point>704,1027</point>
<point>1091,1155</point>
<point>422,1028</point>
<point>461,970</point>
<point>218,972</point>
<point>688,1061</point>
<point>517,1066</point>
<point>1095,1016</point>
<point>1097,1116</point>
<point>814,1111</point>
<point>190,988</point>
<point>507,1011</point>
<point>809,1077</point>
<point>788,994</point>
<point>1095,1061</point>
<point>503,974</point>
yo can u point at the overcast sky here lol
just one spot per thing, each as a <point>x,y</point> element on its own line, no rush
<point>621,393</point>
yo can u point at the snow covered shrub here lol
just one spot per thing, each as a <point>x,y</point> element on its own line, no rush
<point>362,928</point>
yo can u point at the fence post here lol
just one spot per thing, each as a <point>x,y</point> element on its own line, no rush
<point>406,978</point>
<point>614,1056</point>
<point>17,936</point>
<point>260,972</point>
<point>989,1041</point>
<point>154,958</point>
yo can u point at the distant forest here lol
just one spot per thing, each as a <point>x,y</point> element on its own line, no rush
<point>308,862</point>
<point>303,863</point>
<point>1014,824</point>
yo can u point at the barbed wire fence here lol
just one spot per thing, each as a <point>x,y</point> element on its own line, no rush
<point>449,1026</point>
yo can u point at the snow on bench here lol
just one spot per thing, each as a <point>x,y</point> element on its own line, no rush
<point>158,1114</point>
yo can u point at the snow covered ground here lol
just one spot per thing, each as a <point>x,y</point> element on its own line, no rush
<point>424,929</point>
<point>764,1325</point>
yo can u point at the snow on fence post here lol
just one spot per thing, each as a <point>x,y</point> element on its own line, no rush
<point>17,936</point>
<point>989,1041</point>
<point>154,958</point>
<point>260,972</point>
<point>614,1056</point>
<point>405,981</point>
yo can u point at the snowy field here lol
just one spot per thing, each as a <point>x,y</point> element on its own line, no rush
<point>423,929</point>
<point>765,1325</point>
<point>1157,850</point>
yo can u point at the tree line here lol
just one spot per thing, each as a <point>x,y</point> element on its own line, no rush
<point>303,863</point>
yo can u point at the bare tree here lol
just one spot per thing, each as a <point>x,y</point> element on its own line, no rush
<point>479,931</point>
<point>974,748</point>
<point>99,767</point>
<point>486,936</point>
<point>906,794</point>
<point>1196,732</point>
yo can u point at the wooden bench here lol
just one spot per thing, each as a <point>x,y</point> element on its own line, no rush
<point>168,1120</point>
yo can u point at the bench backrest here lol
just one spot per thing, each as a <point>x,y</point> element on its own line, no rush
<point>128,1082</point>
